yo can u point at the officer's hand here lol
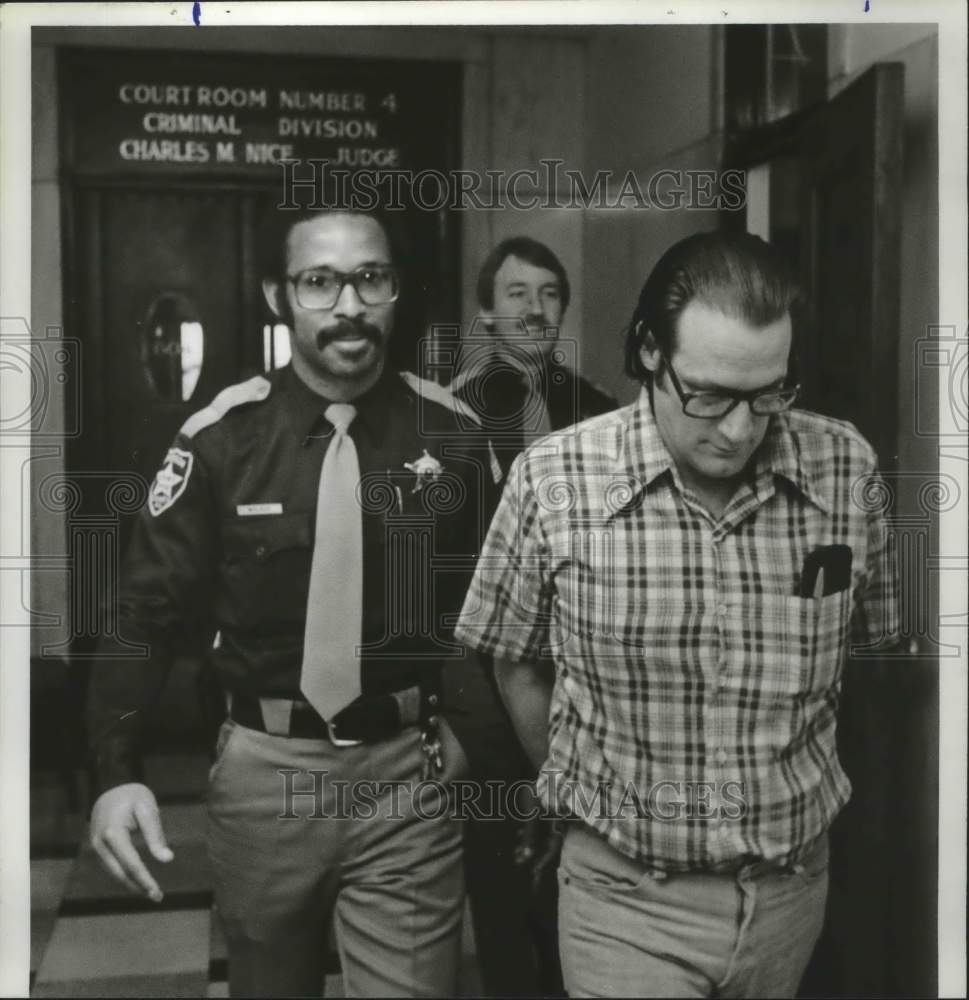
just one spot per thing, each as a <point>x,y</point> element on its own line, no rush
<point>116,814</point>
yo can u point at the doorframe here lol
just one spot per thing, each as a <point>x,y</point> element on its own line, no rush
<point>784,137</point>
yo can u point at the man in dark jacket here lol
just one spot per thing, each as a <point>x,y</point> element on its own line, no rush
<point>516,379</point>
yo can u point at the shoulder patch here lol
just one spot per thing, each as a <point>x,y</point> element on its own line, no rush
<point>251,391</point>
<point>438,394</point>
<point>170,480</point>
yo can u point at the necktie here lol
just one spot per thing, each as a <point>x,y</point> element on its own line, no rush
<point>330,676</point>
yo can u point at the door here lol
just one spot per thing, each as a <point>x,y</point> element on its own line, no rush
<point>169,310</point>
<point>824,186</point>
<point>850,157</point>
<point>175,319</point>
<point>880,934</point>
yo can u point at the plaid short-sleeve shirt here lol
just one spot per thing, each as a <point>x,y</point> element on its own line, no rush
<point>693,713</point>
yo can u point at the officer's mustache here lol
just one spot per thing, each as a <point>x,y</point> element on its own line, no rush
<point>348,328</point>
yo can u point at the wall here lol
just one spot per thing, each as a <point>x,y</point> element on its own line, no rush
<point>49,587</point>
<point>537,93</point>
<point>652,104</point>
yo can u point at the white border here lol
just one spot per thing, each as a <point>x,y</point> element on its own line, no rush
<point>953,309</point>
<point>14,642</point>
<point>15,151</point>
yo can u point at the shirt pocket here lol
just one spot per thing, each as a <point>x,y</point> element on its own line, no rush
<point>265,568</point>
<point>799,643</point>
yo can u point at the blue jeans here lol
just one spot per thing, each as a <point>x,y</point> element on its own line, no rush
<point>626,931</point>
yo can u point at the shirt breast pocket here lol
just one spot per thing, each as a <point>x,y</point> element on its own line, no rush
<point>265,568</point>
<point>809,636</point>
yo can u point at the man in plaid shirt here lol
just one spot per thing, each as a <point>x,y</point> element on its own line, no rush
<point>698,565</point>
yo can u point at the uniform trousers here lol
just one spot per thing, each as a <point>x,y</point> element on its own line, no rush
<point>626,931</point>
<point>361,845</point>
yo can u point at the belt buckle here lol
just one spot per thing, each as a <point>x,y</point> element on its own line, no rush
<point>338,741</point>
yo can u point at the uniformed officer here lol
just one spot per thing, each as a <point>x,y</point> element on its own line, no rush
<point>302,519</point>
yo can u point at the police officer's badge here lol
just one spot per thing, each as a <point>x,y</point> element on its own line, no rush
<point>170,481</point>
<point>424,468</point>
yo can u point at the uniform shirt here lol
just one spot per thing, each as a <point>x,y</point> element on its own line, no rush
<point>693,714</point>
<point>225,545</point>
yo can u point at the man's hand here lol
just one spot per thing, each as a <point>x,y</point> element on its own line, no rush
<point>539,841</point>
<point>116,814</point>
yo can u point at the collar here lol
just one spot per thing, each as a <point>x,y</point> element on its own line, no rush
<point>306,408</point>
<point>642,454</point>
<point>780,455</point>
<point>644,458</point>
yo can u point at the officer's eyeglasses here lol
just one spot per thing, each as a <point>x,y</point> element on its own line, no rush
<point>712,405</point>
<point>321,287</point>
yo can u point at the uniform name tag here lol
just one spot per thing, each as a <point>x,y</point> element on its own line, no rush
<point>257,509</point>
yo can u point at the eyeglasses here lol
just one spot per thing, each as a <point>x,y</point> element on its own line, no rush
<point>710,405</point>
<point>321,287</point>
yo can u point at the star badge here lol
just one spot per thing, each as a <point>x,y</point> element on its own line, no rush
<point>424,468</point>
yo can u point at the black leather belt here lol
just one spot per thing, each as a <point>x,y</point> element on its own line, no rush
<point>367,720</point>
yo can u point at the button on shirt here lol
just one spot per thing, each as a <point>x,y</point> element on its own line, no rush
<point>232,551</point>
<point>693,714</point>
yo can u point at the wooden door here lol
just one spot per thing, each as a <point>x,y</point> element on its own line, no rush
<point>166,299</point>
<point>176,314</point>
<point>850,153</point>
<point>879,937</point>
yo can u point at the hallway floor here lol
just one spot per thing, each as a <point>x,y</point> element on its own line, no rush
<point>90,938</point>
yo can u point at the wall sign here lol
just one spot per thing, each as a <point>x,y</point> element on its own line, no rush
<point>201,114</point>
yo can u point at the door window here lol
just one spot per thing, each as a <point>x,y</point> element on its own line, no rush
<point>174,347</point>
